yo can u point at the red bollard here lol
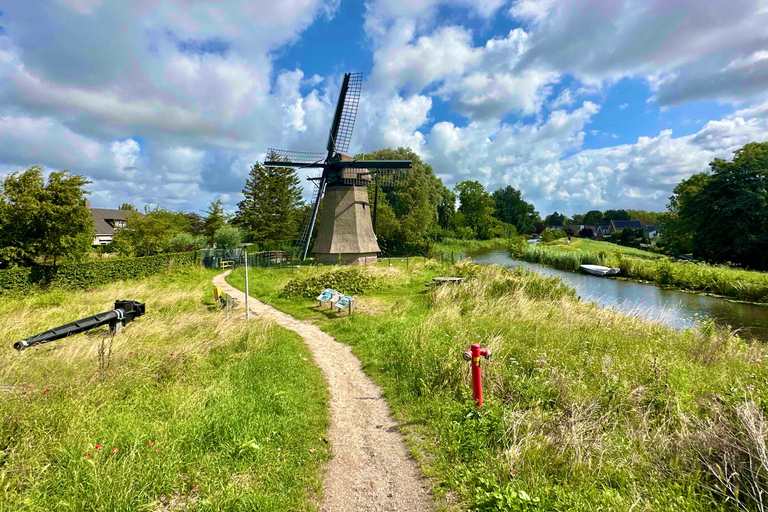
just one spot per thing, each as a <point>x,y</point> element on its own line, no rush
<point>473,355</point>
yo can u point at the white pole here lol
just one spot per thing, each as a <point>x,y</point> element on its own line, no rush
<point>247,311</point>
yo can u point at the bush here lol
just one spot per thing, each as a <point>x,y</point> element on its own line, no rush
<point>587,233</point>
<point>550,235</point>
<point>86,275</point>
<point>349,281</point>
<point>518,246</point>
<point>182,242</point>
<point>228,237</point>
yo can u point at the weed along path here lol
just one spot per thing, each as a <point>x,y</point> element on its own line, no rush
<point>371,469</point>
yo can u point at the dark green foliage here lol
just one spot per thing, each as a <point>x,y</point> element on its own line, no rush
<point>593,217</point>
<point>270,210</point>
<point>518,246</point>
<point>87,275</point>
<point>39,219</point>
<point>477,209</point>
<point>730,213</point>
<point>228,237</point>
<point>555,219</point>
<point>214,220</point>
<point>678,225</point>
<point>610,215</point>
<point>586,233</point>
<point>349,281</point>
<point>550,235</point>
<point>513,209</point>
<point>628,237</point>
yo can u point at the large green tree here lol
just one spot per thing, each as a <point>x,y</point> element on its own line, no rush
<point>593,217</point>
<point>272,204</point>
<point>151,233</point>
<point>610,215</point>
<point>678,225</point>
<point>477,208</point>
<point>731,210</point>
<point>510,207</point>
<point>214,219</point>
<point>555,219</point>
<point>43,219</point>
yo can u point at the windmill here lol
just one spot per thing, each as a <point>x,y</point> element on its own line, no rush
<point>344,233</point>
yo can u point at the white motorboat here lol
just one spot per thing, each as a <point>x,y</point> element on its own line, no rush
<point>599,270</point>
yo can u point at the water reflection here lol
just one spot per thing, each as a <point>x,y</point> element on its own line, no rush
<point>672,307</point>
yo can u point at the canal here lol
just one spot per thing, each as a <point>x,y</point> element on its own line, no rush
<point>675,308</point>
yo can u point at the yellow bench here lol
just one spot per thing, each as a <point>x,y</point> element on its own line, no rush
<point>227,264</point>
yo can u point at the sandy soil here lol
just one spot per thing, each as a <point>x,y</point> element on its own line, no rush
<point>371,469</point>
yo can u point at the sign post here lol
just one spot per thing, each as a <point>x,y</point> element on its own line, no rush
<point>247,311</point>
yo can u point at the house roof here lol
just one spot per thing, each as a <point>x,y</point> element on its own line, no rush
<point>621,224</point>
<point>101,216</point>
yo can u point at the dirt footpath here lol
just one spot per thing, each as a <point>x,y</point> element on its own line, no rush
<point>371,468</point>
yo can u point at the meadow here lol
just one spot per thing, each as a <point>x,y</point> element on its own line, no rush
<point>184,410</point>
<point>635,264</point>
<point>585,408</point>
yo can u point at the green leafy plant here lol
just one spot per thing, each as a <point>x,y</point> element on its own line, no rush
<point>350,281</point>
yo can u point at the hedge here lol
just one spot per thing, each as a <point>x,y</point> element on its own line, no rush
<point>86,275</point>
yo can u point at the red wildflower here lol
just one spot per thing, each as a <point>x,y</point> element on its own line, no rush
<point>171,354</point>
<point>130,352</point>
<point>667,390</point>
<point>115,450</point>
<point>111,372</point>
<point>691,391</point>
<point>46,391</point>
<point>87,455</point>
<point>157,450</point>
<point>151,444</point>
<point>759,362</point>
<point>98,447</point>
<point>633,387</point>
<point>596,374</point>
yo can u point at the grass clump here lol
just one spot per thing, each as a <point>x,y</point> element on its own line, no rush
<point>347,280</point>
<point>187,410</point>
<point>585,408</point>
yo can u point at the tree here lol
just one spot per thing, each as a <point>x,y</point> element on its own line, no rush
<point>228,237</point>
<point>214,220</point>
<point>127,206</point>
<point>43,219</point>
<point>576,219</point>
<point>730,212</point>
<point>587,233</point>
<point>610,215</point>
<point>539,227</point>
<point>149,234</point>
<point>678,225</point>
<point>182,242</point>
<point>196,224</point>
<point>593,217</point>
<point>477,206</point>
<point>555,219</point>
<point>644,216</point>
<point>272,200</point>
<point>510,207</point>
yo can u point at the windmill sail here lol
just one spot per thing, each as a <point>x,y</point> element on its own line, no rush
<point>287,158</point>
<point>346,113</point>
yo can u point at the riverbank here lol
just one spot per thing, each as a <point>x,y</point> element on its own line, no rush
<point>743,285</point>
<point>586,408</point>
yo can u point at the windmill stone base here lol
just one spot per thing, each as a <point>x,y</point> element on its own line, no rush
<point>344,230</point>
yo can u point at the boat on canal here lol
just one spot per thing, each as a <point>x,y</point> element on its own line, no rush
<point>599,270</point>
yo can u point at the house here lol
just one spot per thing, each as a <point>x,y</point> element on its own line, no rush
<point>107,222</point>
<point>602,231</point>
<point>650,230</point>
<point>618,225</point>
<point>577,228</point>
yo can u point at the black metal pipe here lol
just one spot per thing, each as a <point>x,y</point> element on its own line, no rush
<point>125,311</point>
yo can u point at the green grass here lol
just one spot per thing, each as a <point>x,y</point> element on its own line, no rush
<point>191,410</point>
<point>586,409</point>
<point>469,246</point>
<point>640,265</point>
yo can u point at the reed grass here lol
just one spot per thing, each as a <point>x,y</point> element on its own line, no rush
<point>720,280</point>
<point>186,411</point>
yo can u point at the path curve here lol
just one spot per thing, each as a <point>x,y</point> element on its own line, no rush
<point>371,469</point>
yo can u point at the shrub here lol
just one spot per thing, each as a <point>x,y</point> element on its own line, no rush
<point>550,235</point>
<point>86,275</point>
<point>349,281</point>
<point>182,242</point>
<point>518,246</point>
<point>228,237</point>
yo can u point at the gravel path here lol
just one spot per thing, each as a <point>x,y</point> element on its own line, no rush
<point>371,469</point>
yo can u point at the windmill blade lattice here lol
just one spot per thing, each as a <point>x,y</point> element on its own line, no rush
<point>348,113</point>
<point>288,158</point>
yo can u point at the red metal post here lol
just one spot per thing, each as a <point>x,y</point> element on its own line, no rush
<point>474,354</point>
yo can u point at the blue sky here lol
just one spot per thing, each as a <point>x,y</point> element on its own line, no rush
<point>586,104</point>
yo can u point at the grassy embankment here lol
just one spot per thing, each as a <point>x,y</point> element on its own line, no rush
<point>586,409</point>
<point>640,265</point>
<point>189,411</point>
<point>467,246</point>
